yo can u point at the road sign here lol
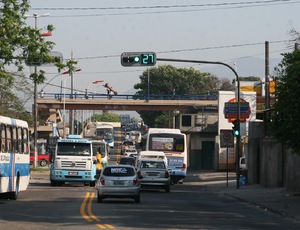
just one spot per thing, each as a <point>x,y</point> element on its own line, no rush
<point>231,110</point>
<point>226,138</point>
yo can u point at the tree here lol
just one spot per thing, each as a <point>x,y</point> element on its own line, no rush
<point>106,117</point>
<point>285,120</point>
<point>19,43</point>
<point>167,79</point>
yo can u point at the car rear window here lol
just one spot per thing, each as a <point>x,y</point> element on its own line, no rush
<point>152,164</point>
<point>118,171</point>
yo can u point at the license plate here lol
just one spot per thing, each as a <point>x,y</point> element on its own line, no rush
<point>118,182</point>
<point>152,174</point>
<point>73,173</point>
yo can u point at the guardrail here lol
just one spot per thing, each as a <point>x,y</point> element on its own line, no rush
<point>131,96</point>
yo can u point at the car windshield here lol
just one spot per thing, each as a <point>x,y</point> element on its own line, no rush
<point>118,171</point>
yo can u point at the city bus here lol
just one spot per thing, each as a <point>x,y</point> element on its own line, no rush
<point>14,157</point>
<point>173,143</point>
<point>105,132</point>
<point>73,162</point>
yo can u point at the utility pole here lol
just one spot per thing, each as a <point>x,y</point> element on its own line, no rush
<point>71,115</point>
<point>35,115</point>
<point>267,80</point>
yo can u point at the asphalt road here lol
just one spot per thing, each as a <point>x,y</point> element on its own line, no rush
<point>192,205</point>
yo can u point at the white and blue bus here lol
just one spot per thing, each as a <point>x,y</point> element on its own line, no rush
<point>73,161</point>
<point>105,132</point>
<point>14,157</point>
<point>173,143</point>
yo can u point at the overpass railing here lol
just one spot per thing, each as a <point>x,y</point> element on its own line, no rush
<point>131,96</point>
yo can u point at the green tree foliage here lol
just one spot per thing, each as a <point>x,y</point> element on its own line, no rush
<point>285,119</point>
<point>169,80</point>
<point>19,43</point>
<point>106,117</point>
<point>11,105</point>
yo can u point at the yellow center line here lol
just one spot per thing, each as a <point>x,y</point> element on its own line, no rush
<point>104,226</point>
<point>82,208</point>
<point>89,208</point>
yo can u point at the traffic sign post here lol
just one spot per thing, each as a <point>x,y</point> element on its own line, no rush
<point>226,141</point>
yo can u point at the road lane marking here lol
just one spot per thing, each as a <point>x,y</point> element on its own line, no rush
<point>86,205</point>
<point>89,208</point>
<point>104,226</point>
<point>82,208</point>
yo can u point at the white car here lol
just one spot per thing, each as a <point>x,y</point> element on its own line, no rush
<point>130,152</point>
<point>153,173</point>
<point>118,181</point>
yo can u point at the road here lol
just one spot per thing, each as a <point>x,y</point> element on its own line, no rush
<point>192,205</point>
<point>195,204</point>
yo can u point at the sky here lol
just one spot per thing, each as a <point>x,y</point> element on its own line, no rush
<point>96,32</point>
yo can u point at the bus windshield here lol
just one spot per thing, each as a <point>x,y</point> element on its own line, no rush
<point>106,133</point>
<point>99,148</point>
<point>169,142</point>
<point>73,149</point>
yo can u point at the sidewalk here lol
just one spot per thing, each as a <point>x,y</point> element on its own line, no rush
<point>276,200</point>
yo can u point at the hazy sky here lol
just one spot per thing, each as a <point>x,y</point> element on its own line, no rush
<point>99,31</point>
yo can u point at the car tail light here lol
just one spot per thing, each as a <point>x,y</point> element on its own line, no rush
<point>183,167</point>
<point>102,181</point>
<point>135,181</point>
<point>167,174</point>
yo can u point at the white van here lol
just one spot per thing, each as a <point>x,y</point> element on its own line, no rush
<point>151,154</point>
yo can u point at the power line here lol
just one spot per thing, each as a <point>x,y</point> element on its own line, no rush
<point>192,49</point>
<point>211,6</point>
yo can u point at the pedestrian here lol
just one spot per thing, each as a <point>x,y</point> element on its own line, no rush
<point>42,93</point>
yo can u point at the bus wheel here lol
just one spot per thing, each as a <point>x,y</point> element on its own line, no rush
<point>14,195</point>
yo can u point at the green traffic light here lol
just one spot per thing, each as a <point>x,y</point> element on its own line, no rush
<point>136,59</point>
<point>236,132</point>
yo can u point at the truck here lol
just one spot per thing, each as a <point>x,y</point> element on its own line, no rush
<point>125,120</point>
<point>73,162</point>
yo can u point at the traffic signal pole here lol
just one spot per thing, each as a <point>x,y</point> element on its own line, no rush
<point>238,137</point>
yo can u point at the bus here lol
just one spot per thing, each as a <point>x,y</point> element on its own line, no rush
<point>14,157</point>
<point>73,162</point>
<point>173,143</point>
<point>105,132</point>
<point>100,146</point>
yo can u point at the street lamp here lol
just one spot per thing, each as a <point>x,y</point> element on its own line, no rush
<point>35,16</point>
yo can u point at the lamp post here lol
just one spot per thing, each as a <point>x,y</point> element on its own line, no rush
<point>238,138</point>
<point>35,16</point>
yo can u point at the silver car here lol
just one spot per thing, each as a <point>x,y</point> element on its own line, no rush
<point>153,173</point>
<point>118,181</point>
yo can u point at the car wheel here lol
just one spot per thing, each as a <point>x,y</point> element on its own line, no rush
<point>99,198</point>
<point>43,163</point>
<point>137,199</point>
<point>168,188</point>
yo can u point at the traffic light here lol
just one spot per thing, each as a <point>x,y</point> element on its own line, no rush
<point>138,59</point>
<point>236,127</point>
